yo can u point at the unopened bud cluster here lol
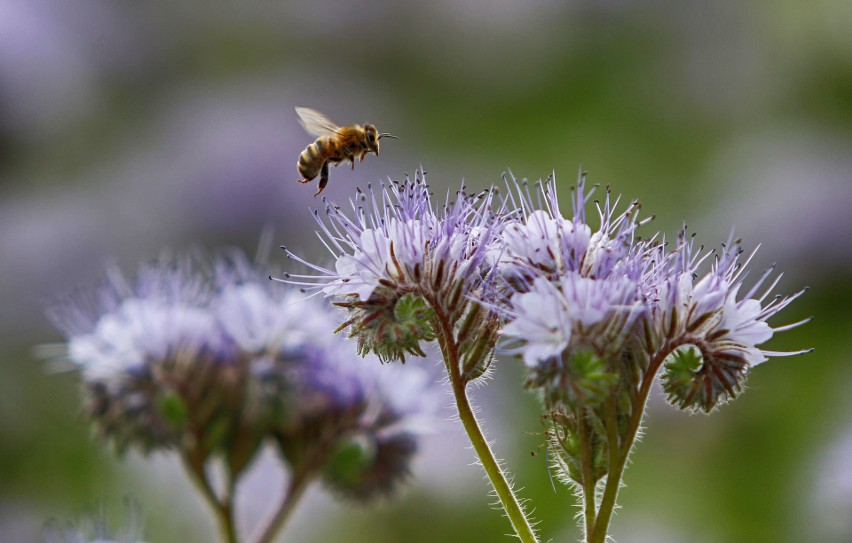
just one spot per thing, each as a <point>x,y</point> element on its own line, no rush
<point>389,324</point>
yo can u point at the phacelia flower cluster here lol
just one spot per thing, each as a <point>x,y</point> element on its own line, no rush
<point>406,272</point>
<point>586,306</point>
<point>583,302</point>
<point>710,329</point>
<point>210,358</point>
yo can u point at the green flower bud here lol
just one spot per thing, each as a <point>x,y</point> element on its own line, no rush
<point>390,326</point>
<point>370,465</point>
<point>578,379</point>
<point>566,445</point>
<point>700,381</point>
<point>477,337</point>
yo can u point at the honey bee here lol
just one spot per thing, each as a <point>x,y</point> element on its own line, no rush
<point>334,144</point>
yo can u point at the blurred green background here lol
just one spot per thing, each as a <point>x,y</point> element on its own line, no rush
<point>128,127</point>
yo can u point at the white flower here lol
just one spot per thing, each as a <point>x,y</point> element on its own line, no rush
<point>261,320</point>
<point>141,331</point>
<point>397,240</point>
<point>539,318</point>
<point>594,313</point>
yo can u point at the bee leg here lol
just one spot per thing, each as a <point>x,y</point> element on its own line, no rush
<point>323,179</point>
<point>351,154</point>
<point>303,181</point>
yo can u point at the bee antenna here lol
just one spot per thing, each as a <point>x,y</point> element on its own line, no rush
<point>387,135</point>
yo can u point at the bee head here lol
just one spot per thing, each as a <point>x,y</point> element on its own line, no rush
<point>371,138</point>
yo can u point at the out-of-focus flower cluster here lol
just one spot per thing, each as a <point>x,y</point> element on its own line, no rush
<point>208,357</point>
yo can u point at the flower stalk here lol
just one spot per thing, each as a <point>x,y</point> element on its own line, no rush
<point>508,499</point>
<point>223,508</point>
<point>296,487</point>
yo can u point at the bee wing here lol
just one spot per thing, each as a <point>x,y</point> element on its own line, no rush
<point>315,123</point>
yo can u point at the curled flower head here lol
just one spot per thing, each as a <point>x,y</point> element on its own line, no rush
<point>399,263</point>
<point>358,425</point>
<point>719,328</point>
<point>374,457</point>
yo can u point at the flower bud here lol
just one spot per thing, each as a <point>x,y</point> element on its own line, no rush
<point>477,336</point>
<point>579,379</point>
<point>697,381</point>
<point>390,326</point>
<point>564,445</point>
<point>368,466</point>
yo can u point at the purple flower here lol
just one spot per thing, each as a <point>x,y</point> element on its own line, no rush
<point>580,303</point>
<point>400,265</point>
<point>574,312</point>
<point>396,239</point>
<point>211,353</point>
<point>708,313</point>
<point>120,327</point>
<point>569,288</point>
<point>374,455</point>
<point>143,347</point>
<point>327,410</point>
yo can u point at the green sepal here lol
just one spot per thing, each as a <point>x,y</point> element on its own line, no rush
<point>477,339</point>
<point>348,462</point>
<point>700,381</point>
<point>216,433</point>
<point>390,327</point>
<point>172,408</point>
<point>565,443</point>
<point>578,379</point>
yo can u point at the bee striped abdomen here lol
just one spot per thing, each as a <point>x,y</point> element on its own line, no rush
<point>313,157</point>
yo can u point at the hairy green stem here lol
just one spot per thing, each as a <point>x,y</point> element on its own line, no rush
<point>620,452</point>
<point>508,500</point>
<point>296,487</point>
<point>613,478</point>
<point>222,508</point>
<point>589,481</point>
